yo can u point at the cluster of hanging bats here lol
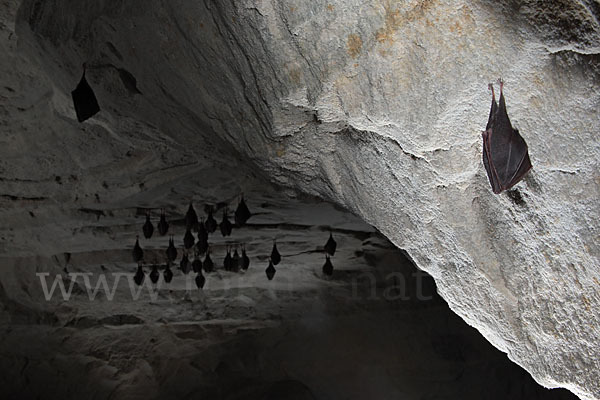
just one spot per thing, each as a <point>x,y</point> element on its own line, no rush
<point>200,246</point>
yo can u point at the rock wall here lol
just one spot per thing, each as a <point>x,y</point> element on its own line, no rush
<point>377,106</point>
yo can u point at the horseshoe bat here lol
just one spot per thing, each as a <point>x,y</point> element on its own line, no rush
<point>148,228</point>
<point>191,218</point>
<point>208,264</point>
<point>139,275</point>
<point>138,253</point>
<point>154,274</point>
<point>242,213</point>
<point>505,154</point>
<point>328,266</point>
<point>275,256</point>
<point>168,274</point>
<point>200,280</point>
<point>270,271</point>
<point>245,259</point>
<point>84,99</point>
<point>163,225</point>
<point>330,246</point>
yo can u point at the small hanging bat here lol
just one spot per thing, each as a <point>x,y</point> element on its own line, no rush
<point>505,154</point>
<point>84,99</point>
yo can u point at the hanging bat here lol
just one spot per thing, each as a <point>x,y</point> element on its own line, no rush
<point>200,280</point>
<point>330,246</point>
<point>270,271</point>
<point>242,213</point>
<point>505,154</point>
<point>208,264</point>
<point>168,274</point>
<point>275,256</point>
<point>84,99</point>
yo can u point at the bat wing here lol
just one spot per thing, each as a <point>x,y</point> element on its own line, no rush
<point>493,111</point>
<point>505,153</point>
<point>84,100</point>
<point>491,172</point>
<point>523,166</point>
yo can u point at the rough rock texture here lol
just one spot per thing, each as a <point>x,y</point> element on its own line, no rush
<point>377,106</point>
